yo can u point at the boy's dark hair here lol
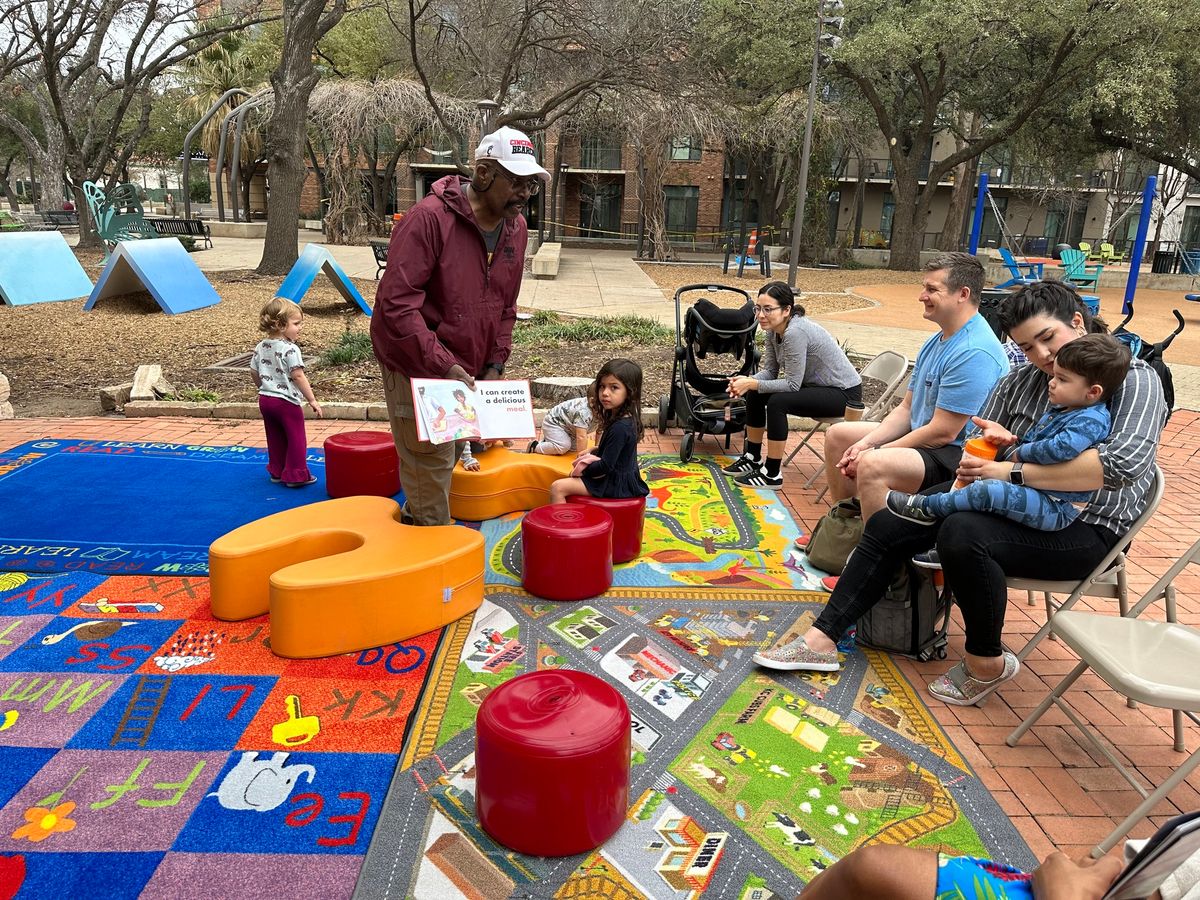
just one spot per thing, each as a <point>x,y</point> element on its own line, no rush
<point>1098,359</point>
<point>629,374</point>
<point>461,395</point>
<point>962,271</point>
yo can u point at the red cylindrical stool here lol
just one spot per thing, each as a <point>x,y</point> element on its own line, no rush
<point>361,463</point>
<point>552,762</point>
<point>628,515</point>
<point>566,552</point>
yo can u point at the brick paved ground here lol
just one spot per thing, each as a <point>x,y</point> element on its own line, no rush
<point>1058,792</point>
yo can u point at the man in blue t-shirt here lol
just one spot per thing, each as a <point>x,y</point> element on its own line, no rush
<point>919,443</point>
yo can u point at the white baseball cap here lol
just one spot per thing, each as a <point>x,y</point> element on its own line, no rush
<point>512,149</point>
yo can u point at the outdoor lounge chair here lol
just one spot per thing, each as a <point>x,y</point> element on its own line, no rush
<point>1022,273</point>
<point>1077,272</point>
<point>1109,254</point>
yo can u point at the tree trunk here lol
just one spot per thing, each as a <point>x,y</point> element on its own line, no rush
<point>293,82</point>
<point>960,204</point>
<point>909,217</point>
<point>11,195</point>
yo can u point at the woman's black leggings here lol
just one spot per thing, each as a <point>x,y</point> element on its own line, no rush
<point>977,551</point>
<point>772,410</point>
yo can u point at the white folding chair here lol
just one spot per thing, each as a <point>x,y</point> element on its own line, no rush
<point>889,367</point>
<point>1109,578</point>
<point>1149,662</point>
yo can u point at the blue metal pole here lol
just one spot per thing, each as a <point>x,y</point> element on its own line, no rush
<point>1139,247</point>
<point>977,222</point>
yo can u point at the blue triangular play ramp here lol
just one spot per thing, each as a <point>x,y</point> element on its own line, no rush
<point>161,267</point>
<point>39,267</point>
<point>314,259</point>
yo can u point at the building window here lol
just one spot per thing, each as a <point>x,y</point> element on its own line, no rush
<point>600,208</point>
<point>682,208</point>
<point>441,150</point>
<point>1189,236</point>
<point>885,217</point>
<point>686,149</point>
<point>599,152</point>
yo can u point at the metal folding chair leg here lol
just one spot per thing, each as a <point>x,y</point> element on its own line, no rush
<point>804,443</point>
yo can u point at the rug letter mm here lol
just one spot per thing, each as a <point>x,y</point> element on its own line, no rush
<point>161,267</point>
<point>314,259</point>
<point>39,267</point>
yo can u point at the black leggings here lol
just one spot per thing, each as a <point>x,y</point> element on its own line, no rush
<point>977,551</point>
<point>772,410</point>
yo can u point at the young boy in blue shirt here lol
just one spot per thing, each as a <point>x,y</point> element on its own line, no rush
<point>1086,372</point>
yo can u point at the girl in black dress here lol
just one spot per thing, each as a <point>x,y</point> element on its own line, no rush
<point>611,468</point>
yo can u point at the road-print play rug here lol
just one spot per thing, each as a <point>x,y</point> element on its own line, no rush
<point>701,529</point>
<point>133,507</point>
<point>741,779</point>
<point>148,749</point>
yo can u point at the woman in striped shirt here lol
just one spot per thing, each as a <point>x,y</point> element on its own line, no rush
<point>978,550</point>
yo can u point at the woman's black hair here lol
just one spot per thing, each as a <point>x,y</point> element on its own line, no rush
<point>783,295</point>
<point>629,374</point>
<point>1048,298</point>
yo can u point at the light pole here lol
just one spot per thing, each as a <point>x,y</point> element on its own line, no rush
<point>826,15</point>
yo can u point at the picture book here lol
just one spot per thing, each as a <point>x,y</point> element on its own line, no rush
<point>447,410</point>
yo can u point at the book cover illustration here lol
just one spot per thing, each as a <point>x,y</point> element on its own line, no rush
<point>448,410</point>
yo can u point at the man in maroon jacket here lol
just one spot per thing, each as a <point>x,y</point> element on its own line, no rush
<point>448,299</point>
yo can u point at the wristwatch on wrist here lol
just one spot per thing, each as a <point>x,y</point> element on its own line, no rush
<point>1016,476</point>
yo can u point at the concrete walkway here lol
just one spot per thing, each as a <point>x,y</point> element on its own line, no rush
<point>610,283</point>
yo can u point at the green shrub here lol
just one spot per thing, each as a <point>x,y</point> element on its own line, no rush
<point>189,243</point>
<point>196,395</point>
<point>352,347</point>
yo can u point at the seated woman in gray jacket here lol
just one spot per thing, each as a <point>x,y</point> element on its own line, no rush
<point>804,373</point>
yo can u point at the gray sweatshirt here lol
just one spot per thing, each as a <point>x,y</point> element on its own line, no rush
<point>806,356</point>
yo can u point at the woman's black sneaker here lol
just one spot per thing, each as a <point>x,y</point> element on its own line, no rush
<point>743,465</point>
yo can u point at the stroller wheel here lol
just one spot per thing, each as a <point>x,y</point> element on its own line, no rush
<point>664,413</point>
<point>686,446</point>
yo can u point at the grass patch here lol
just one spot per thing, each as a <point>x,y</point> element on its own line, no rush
<point>196,395</point>
<point>352,347</point>
<point>546,328</point>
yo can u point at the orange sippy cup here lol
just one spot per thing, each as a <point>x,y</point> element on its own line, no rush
<point>976,447</point>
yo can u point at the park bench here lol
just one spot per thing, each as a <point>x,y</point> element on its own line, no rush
<point>182,228</point>
<point>61,218</point>
<point>117,215</point>
<point>380,249</point>
<point>545,261</point>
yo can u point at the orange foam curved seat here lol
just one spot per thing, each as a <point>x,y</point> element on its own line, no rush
<point>506,482</point>
<point>345,575</point>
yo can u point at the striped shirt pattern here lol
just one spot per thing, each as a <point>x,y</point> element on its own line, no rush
<point>1127,455</point>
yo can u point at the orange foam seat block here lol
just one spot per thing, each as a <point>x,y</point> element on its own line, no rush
<point>506,482</point>
<point>345,575</point>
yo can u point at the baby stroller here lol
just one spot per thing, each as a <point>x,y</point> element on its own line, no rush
<point>699,401</point>
<point>1152,354</point>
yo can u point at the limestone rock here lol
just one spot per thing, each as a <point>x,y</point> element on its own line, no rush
<point>163,389</point>
<point>6,410</point>
<point>5,390</point>
<point>114,397</point>
<point>557,389</point>
<point>143,382</point>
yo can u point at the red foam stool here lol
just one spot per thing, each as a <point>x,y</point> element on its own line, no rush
<point>552,762</point>
<point>361,463</point>
<point>628,515</point>
<point>566,552</point>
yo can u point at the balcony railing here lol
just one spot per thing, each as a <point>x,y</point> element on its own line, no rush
<point>594,156</point>
<point>1037,177</point>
